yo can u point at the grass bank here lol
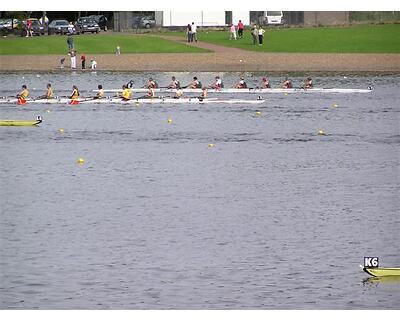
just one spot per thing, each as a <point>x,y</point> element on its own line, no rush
<point>352,39</point>
<point>92,44</point>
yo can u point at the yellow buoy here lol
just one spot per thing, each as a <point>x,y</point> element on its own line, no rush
<point>169,120</point>
<point>210,145</point>
<point>48,111</point>
<point>258,113</point>
<point>137,104</point>
<point>334,105</point>
<point>61,130</point>
<point>81,161</point>
<point>285,93</point>
<point>321,132</point>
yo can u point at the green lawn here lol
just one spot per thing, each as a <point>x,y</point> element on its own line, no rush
<point>91,44</point>
<point>354,39</point>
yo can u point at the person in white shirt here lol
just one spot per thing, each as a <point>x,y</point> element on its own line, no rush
<point>261,32</point>
<point>232,32</point>
<point>71,28</point>
<point>194,32</point>
<point>93,64</point>
<point>73,59</point>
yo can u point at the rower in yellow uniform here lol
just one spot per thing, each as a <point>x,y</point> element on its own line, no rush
<point>204,94</point>
<point>23,95</point>
<point>49,93</point>
<point>126,93</point>
<point>100,92</point>
<point>74,95</point>
<point>178,94</point>
<point>151,93</point>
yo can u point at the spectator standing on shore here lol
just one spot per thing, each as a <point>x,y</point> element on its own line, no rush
<point>83,61</point>
<point>261,32</point>
<point>118,50</point>
<point>240,29</point>
<point>189,33</point>
<point>71,28</point>
<point>232,33</point>
<point>29,28</point>
<point>70,42</point>
<point>254,34</point>
<point>93,64</point>
<point>73,59</point>
<point>194,32</point>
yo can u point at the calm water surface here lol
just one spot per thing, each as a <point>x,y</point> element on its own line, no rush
<point>274,216</point>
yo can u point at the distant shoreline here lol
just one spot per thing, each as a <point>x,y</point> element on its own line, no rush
<point>213,62</point>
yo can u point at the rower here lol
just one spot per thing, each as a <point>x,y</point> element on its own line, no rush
<point>126,93</point>
<point>75,93</point>
<point>217,85</point>
<point>174,84</point>
<point>24,93</point>
<point>265,83</point>
<point>178,94</point>
<point>49,93</point>
<point>241,84</point>
<point>204,94</point>
<point>195,84</point>
<point>287,84</point>
<point>308,83</point>
<point>151,84</point>
<point>151,93</point>
<point>100,92</point>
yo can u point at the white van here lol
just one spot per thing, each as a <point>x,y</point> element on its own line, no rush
<point>274,17</point>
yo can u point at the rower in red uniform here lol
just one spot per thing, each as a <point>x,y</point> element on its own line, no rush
<point>287,84</point>
<point>265,83</point>
<point>308,83</point>
<point>151,84</point>
<point>195,84</point>
<point>241,84</point>
<point>217,84</point>
<point>174,84</point>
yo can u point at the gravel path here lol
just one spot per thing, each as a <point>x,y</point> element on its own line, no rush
<point>221,59</point>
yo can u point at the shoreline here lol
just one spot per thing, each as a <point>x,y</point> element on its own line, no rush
<point>245,61</point>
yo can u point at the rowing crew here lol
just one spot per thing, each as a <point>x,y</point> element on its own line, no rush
<point>217,84</point>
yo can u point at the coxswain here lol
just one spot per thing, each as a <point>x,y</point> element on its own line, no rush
<point>241,84</point>
<point>265,83</point>
<point>126,93</point>
<point>151,84</point>
<point>151,93</point>
<point>174,84</point>
<point>75,93</point>
<point>308,83</point>
<point>287,84</point>
<point>217,85</point>
<point>204,94</point>
<point>100,92</point>
<point>178,94</point>
<point>24,93</point>
<point>195,84</point>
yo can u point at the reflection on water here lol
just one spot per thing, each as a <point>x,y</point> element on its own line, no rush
<point>274,216</point>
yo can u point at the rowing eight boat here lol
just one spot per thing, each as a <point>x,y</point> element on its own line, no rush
<point>252,90</point>
<point>21,122</point>
<point>135,101</point>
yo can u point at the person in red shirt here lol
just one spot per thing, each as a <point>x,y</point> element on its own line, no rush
<point>83,61</point>
<point>29,28</point>
<point>240,29</point>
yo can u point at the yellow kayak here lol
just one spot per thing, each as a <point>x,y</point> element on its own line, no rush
<point>21,122</point>
<point>382,272</point>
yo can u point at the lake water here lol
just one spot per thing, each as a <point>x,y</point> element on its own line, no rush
<point>274,216</point>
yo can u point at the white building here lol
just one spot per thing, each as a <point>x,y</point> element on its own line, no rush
<point>204,18</point>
